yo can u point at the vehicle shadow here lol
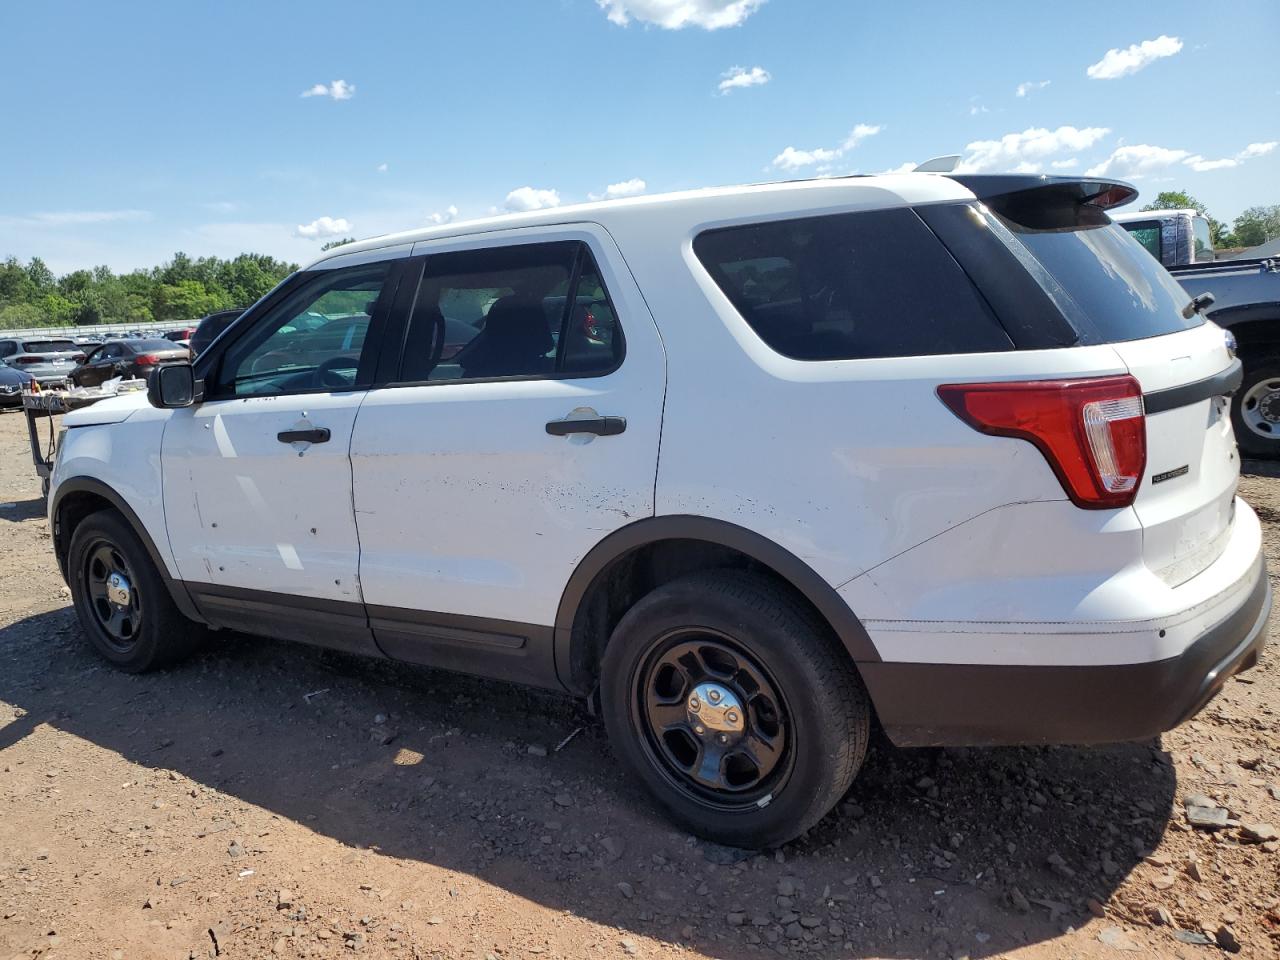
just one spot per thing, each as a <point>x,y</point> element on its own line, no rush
<point>933,852</point>
<point>22,510</point>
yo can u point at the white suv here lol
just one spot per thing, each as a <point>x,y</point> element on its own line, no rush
<point>746,467</point>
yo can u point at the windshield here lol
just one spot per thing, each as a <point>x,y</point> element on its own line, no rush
<point>1121,292</point>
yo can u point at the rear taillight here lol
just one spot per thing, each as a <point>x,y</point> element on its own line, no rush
<point>27,361</point>
<point>147,359</point>
<point>1093,432</point>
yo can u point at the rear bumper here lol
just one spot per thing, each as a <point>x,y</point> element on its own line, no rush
<point>936,704</point>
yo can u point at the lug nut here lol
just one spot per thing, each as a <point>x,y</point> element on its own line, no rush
<point>722,738</point>
<point>731,717</point>
<point>695,704</point>
<point>699,730</point>
<point>714,696</point>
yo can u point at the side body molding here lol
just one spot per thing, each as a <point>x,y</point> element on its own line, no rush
<point>829,604</point>
<point>62,540</point>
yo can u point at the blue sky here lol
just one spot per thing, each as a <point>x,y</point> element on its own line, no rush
<point>133,130</point>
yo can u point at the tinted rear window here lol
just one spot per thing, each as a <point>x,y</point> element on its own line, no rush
<point>50,346</point>
<point>1120,291</point>
<point>846,286</point>
<point>146,346</point>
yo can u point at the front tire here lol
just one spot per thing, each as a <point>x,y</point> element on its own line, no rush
<point>121,601</point>
<point>734,706</point>
<point>1255,409</point>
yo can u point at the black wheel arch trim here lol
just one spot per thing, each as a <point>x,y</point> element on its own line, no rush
<point>62,540</point>
<point>794,571</point>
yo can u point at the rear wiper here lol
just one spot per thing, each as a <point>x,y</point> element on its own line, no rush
<point>1199,304</point>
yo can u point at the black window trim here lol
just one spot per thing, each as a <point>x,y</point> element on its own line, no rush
<point>209,364</point>
<point>398,331</point>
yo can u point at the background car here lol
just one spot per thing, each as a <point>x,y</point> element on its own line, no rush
<point>46,360</point>
<point>209,327</point>
<point>126,358</point>
<point>12,383</point>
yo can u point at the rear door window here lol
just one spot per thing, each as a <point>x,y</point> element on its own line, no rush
<point>535,310</point>
<point>850,286</point>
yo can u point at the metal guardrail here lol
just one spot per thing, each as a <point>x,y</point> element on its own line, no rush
<point>104,330</point>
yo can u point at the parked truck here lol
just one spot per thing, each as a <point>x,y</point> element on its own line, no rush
<point>1246,301</point>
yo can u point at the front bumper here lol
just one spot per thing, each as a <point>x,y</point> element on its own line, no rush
<point>952,704</point>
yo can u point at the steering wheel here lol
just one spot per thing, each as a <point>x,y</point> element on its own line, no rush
<point>327,374</point>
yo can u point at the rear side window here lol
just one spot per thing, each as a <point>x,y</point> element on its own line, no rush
<point>50,346</point>
<point>532,310</point>
<point>1147,233</point>
<point>1120,291</point>
<point>850,286</point>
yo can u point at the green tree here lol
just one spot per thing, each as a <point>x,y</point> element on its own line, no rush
<point>337,243</point>
<point>1181,200</point>
<point>1257,225</point>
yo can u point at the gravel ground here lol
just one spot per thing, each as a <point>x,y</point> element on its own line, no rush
<point>268,799</point>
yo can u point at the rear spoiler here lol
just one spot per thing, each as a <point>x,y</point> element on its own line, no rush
<point>1017,188</point>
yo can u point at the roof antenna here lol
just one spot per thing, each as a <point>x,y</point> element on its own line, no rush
<point>939,164</point>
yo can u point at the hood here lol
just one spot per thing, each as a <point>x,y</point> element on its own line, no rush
<point>111,410</point>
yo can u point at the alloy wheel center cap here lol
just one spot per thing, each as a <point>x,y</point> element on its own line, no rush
<point>716,711</point>
<point>119,590</point>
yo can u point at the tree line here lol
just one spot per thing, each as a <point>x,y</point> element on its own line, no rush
<point>181,289</point>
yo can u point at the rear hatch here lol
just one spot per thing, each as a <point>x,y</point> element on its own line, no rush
<point>1110,291</point>
<point>59,354</point>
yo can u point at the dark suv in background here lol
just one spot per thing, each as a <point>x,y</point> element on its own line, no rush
<point>209,327</point>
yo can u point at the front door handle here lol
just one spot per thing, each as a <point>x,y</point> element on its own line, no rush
<point>600,426</point>
<point>316,435</point>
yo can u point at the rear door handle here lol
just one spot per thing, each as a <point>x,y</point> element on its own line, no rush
<point>317,435</point>
<point>600,426</point>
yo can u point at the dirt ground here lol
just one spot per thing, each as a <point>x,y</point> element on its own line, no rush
<point>267,799</point>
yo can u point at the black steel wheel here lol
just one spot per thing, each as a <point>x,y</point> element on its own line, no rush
<point>713,718</point>
<point>113,594</point>
<point>735,706</point>
<point>121,599</point>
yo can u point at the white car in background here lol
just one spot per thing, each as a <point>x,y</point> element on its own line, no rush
<point>743,466</point>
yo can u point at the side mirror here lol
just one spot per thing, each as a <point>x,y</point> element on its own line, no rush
<point>173,385</point>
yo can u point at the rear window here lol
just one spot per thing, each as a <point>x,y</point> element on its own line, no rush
<point>50,346</point>
<point>1122,292</point>
<point>850,286</point>
<point>145,346</point>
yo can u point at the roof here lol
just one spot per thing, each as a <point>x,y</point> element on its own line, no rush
<point>1132,215</point>
<point>691,208</point>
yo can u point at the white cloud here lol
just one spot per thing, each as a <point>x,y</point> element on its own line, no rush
<point>1030,86</point>
<point>677,14</point>
<point>527,198</point>
<point>1257,150</point>
<point>1200,165</point>
<point>1117,63</point>
<point>627,188</point>
<point>736,78</point>
<point>1142,159</point>
<point>76,218</point>
<point>338,90</point>
<point>976,109</point>
<point>450,214</point>
<point>900,168</point>
<point>382,168</point>
<point>1066,164</point>
<point>1137,160</point>
<point>322,227</point>
<point>793,159</point>
<point>1021,152</point>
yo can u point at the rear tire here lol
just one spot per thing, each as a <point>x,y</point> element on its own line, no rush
<point>1255,409</point>
<point>121,600</point>
<point>761,671</point>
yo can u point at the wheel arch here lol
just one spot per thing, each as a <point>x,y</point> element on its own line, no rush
<point>77,498</point>
<point>679,544</point>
